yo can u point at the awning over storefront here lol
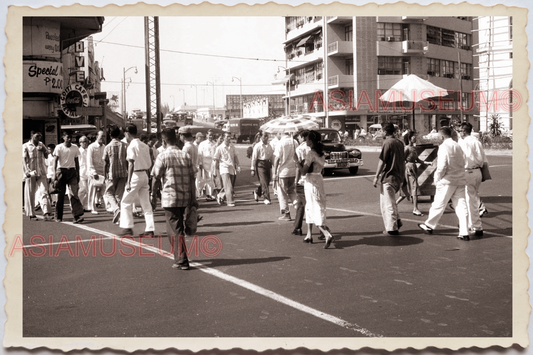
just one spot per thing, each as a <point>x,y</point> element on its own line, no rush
<point>304,41</point>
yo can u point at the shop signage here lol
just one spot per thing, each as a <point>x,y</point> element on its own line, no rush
<point>71,98</point>
<point>42,37</point>
<point>256,109</point>
<point>43,77</point>
<point>90,111</point>
<point>336,124</point>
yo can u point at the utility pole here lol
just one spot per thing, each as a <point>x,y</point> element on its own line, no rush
<point>152,72</point>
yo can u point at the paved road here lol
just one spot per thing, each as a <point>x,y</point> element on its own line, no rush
<point>265,282</point>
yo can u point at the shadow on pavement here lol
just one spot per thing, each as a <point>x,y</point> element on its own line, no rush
<point>379,241</point>
<point>230,262</point>
<point>234,224</point>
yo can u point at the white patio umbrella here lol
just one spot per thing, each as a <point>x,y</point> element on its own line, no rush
<point>290,124</point>
<point>412,89</point>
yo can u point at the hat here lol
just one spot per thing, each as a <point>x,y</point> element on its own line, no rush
<point>199,134</point>
<point>185,130</point>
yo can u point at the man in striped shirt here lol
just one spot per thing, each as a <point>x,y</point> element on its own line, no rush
<point>176,167</point>
<point>116,171</point>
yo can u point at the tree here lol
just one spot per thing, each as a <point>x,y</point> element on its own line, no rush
<point>495,125</point>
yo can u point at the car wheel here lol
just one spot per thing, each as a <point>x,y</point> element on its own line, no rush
<point>354,170</point>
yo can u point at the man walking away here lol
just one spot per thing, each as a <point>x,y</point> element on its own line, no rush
<point>474,158</point>
<point>390,174</point>
<point>116,171</point>
<point>450,180</point>
<point>285,175</point>
<point>177,193</point>
<point>138,156</point>
<point>67,172</point>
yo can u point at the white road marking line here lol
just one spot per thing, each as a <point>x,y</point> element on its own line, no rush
<point>245,284</point>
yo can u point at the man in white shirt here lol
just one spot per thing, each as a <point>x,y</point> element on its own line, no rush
<point>66,172</point>
<point>206,152</point>
<point>34,156</point>
<point>450,180</point>
<point>474,158</point>
<point>262,156</point>
<point>138,156</point>
<point>227,165</point>
<point>284,172</point>
<point>83,185</point>
<point>95,172</point>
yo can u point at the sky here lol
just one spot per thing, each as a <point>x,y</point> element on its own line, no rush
<point>197,54</point>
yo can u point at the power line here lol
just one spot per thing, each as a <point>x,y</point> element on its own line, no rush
<point>118,24</point>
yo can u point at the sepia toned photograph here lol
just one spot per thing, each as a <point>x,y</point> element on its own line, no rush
<point>212,177</point>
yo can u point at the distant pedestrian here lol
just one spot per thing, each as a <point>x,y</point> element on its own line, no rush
<point>450,180</point>
<point>34,155</point>
<point>284,172</point>
<point>227,165</point>
<point>390,174</point>
<point>139,163</point>
<point>315,195</point>
<point>262,157</point>
<point>116,172</point>
<point>67,172</point>
<point>206,153</point>
<point>177,193</point>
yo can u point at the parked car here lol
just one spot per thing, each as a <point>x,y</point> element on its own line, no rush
<point>337,156</point>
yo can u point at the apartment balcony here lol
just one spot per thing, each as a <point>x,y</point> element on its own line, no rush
<point>304,59</point>
<point>414,47</point>
<point>389,48</point>
<point>305,28</point>
<point>340,48</point>
<point>385,82</point>
<point>338,20</point>
<point>340,81</point>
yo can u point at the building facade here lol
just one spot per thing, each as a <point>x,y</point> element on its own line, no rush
<point>495,53</point>
<point>275,102</point>
<point>54,81</point>
<point>356,59</point>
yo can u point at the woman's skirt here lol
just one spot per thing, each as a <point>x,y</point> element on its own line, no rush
<point>315,207</point>
<point>411,178</point>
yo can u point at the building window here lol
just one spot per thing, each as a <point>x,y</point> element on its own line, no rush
<point>318,70</point>
<point>462,40</point>
<point>510,29</point>
<point>389,65</point>
<point>433,35</point>
<point>448,68</point>
<point>348,33</point>
<point>448,38</point>
<point>433,67</point>
<point>389,31</point>
<point>349,66</point>
<point>466,71</point>
<point>466,98</point>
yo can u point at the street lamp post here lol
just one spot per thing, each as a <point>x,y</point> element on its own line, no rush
<point>240,95</point>
<point>124,71</point>
<point>288,89</point>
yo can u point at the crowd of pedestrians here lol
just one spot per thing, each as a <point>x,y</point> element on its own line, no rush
<point>134,172</point>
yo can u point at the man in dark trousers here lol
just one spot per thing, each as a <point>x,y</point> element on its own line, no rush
<point>390,174</point>
<point>177,193</point>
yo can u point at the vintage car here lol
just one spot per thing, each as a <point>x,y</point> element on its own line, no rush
<point>337,156</point>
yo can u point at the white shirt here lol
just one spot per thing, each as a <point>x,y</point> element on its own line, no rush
<point>227,157</point>
<point>66,155</point>
<point>301,152</point>
<point>140,154</point>
<point>473,151</point>
<point>190,149</point>
<point>285,153</point>
<point>95,159</point>
<point>206,152</point>
<point>83,162</point>
<point>450,164</point>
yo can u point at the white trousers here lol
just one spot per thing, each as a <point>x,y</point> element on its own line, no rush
<point>83,192</point>
<point>36,188</point>
<point>442,196</point>
<point>473,180</point>
<point>138,188</point>
<point>94,194</point>
<point>205,179</point>
<point>389,208</point>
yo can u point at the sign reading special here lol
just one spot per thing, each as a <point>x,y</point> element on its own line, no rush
<point>72,97</point>
<point>43,77</point>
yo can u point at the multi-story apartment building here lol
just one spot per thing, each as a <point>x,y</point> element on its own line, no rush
<point>495,54</point>
<point>276,107</point>
<point>355,59</point>
<point>54,83</point>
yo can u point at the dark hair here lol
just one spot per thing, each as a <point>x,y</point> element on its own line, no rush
<point>131,129</point>
<point>466,127</point>
<point>67,133</point>
<point>318,147</point>
<point>114,132</point>
<point>169,135</point>
<point>304,134</point>
<point>446,131</point>
<point>51,146</point>
<point>389,128</point>
<point>407,136</point>
<point>144,138</point>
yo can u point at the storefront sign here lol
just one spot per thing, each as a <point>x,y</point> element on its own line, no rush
<point>256,108</point>
<point>90,111</point>
<point>43,77</point>
<point>50,132</point>
<point>42,37</point>
<point>336,124</point>
<point>72,97</point>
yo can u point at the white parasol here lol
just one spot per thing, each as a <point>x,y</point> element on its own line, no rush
<point>290,124</point>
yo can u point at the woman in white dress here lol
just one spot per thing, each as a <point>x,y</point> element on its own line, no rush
<point>315,195</point>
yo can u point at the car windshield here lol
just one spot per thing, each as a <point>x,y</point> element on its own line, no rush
<point>332,136</point>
